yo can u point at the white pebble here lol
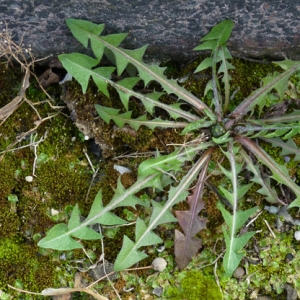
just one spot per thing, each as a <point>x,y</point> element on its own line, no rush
<point>159,264</point>
<point>29,178</point>
<point>297,235</point>
<point>54,212</point>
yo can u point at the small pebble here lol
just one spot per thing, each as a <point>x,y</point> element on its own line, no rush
<point>29,178</point>
<point>297,235</point>
<point>54,212</point>
<point>289,257</point>
<point>158,291</point>
<point>159,264</point>
<point>239,273</point>
<point>272,209</point>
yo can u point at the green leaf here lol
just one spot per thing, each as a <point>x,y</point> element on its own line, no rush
<point>220,32</point>
<point>62,241</point>
<point>108,114</point>
<point>222,139</point>
<point>224,68</point>
<point>126,84</point>
<point>81,232</point>
<point>128,255</point>
<point>170,162</point>
<point>205,64</point>
<point>85,31</point>
<point>60,237</point>
<point>161,214</point>
<point>152,238</point>
<point>80,27</point>
<point>235,221</point>
<point>233,256</point>
<point>196,125</point>
<point>106,218</point>
<point>279,172</point>
<point>278,82</point>
<point>165,163</point>
<point>287,147</point>
<point>79,65</point>
<point>286,118</point>
<point>266,189</point>
<point>218,36</point>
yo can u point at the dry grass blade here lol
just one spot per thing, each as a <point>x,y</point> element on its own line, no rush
<point>9,108</point>
<point>13,52</point>
<point>61,291</point>
<point>16,53</point>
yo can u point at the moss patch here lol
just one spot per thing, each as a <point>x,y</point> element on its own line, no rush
<point>194,286</point>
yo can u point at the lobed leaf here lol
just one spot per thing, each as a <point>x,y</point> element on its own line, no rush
<point>278,82</point>
<point>279,172</point>
<point>266,189</point>
<point>285,131</point>
<point>187,244</point>
<point>60,237</point>
<point>124,57</point>
<point>234,243</point>
<point>218,35</point>
<point>108,114</point>
<point>286,118</point>
<point>81,67</point>
<point>203,123</point>
<point>288,147</point>
<point>171,161</point>
<point>160,214</point>
<point>224,68</point>
<point>233,256</point>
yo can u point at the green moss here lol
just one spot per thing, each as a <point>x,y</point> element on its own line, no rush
<point>20,262</point>
<point>195,286</point>
<point>10,79</point>
<point>271,273</point>
<point>65,179</point>
<point>7,182</point>
<point>246,77</point>
<point>9,222</point>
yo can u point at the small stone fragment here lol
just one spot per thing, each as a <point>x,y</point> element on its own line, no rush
<point>98,272</point>
<point>158,291</point>
<point>239,273</point>
<point>272,209</point>
<point>159,264</point>
<point>291,293</point>
<point>122,170</point>
<point>289,257</point>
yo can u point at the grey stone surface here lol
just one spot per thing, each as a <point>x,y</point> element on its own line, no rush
<point>172,28</point>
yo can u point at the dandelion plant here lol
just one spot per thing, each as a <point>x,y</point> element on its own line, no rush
<point>238,133</point>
